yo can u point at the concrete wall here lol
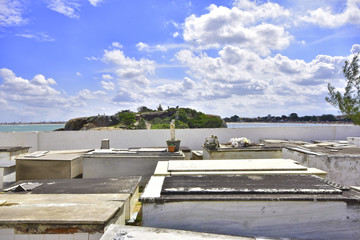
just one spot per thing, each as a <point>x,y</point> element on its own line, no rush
<point>192,138</point>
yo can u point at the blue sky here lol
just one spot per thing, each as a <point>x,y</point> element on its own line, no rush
<point>61,59</point>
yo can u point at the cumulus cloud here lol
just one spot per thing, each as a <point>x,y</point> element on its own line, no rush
<point>35,91</point>
<point>124,95</point>
<point>245,25</point>
<point>11,13</point>
<point>324,17</point>
<point>244,77</point>
<point>87,94</point>
<point>130,69</point>
<point>69,8</point>
<point>107,77</point>
<point>108,85</point>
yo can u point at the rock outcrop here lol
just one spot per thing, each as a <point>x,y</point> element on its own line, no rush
<point>85,123</point>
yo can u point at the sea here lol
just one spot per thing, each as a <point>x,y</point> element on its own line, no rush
<point>52,127</point>
<point>30,127</point>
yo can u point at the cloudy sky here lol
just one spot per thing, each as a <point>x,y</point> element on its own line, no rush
<point>61,59</point>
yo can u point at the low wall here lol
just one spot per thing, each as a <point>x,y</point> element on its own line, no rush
<point>193,138</point>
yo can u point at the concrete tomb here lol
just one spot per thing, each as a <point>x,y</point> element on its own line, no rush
<point>235,167</point>
<point>246,150</point>
<point>7,163</point>
<point>341,159</point>
<point>47,165</point>
<point>275,206</point>
<point>9,153</point>
<point>121,185</point>
<point>7,173</point>
<point>70,207</point>
<point>105,163</point>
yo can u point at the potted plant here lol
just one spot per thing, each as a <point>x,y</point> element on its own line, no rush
<point>171,147</point>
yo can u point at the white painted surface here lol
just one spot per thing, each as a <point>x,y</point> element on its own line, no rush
<point>354,140</point>
<point>153,188</point>
<point>235,165</point>
<point>193,138</point>
<point>285,219</point>
<point>162,169</point>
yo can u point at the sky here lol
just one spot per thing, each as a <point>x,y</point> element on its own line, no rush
<point>61,59</point>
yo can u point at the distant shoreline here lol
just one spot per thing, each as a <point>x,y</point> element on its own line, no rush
<point>37,123</point>
<point>329,123</point>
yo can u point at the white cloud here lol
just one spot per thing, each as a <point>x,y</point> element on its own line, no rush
<point>142,46</point>
<point>245,79</point>
<point>117,45</point>
<point>36,91</point>
<point>78,74</point>
<point>69,8</point>
<point>244,25</point>
<point>40,37</point>
<point>324,17</point>
<point>95,2</point>
<point>86,94</point>
<point>355,48</point>
<point>38,100</point>
<point>107,77</point>
<point>160,47</point>
<point>108,85</point>
<point>130,69</point>
<point>175,34</point>
<point>11,13</point>
<point>92,58</point>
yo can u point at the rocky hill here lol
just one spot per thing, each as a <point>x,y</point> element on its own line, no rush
<point>184,118</point>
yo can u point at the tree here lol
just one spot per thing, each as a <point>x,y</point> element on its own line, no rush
<point>143,109</point>
<point>293,117</point>
<point>235,118</point>
<point>126,117</point>
<point>327,118</point>
<point>349,102</point>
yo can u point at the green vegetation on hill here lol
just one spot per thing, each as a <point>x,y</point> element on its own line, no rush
<point>149,118</point>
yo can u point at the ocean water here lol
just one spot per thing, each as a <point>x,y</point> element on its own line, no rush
<point>30,127</point>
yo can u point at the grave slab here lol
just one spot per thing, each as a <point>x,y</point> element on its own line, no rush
<point>235,167</point>
<point>121,185</point>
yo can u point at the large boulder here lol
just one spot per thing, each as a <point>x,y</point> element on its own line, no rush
<point>75,123</point>
<point>85,123</point>
<point>103,121</point>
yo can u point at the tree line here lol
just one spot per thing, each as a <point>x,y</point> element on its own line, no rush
<point>293,117</point>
